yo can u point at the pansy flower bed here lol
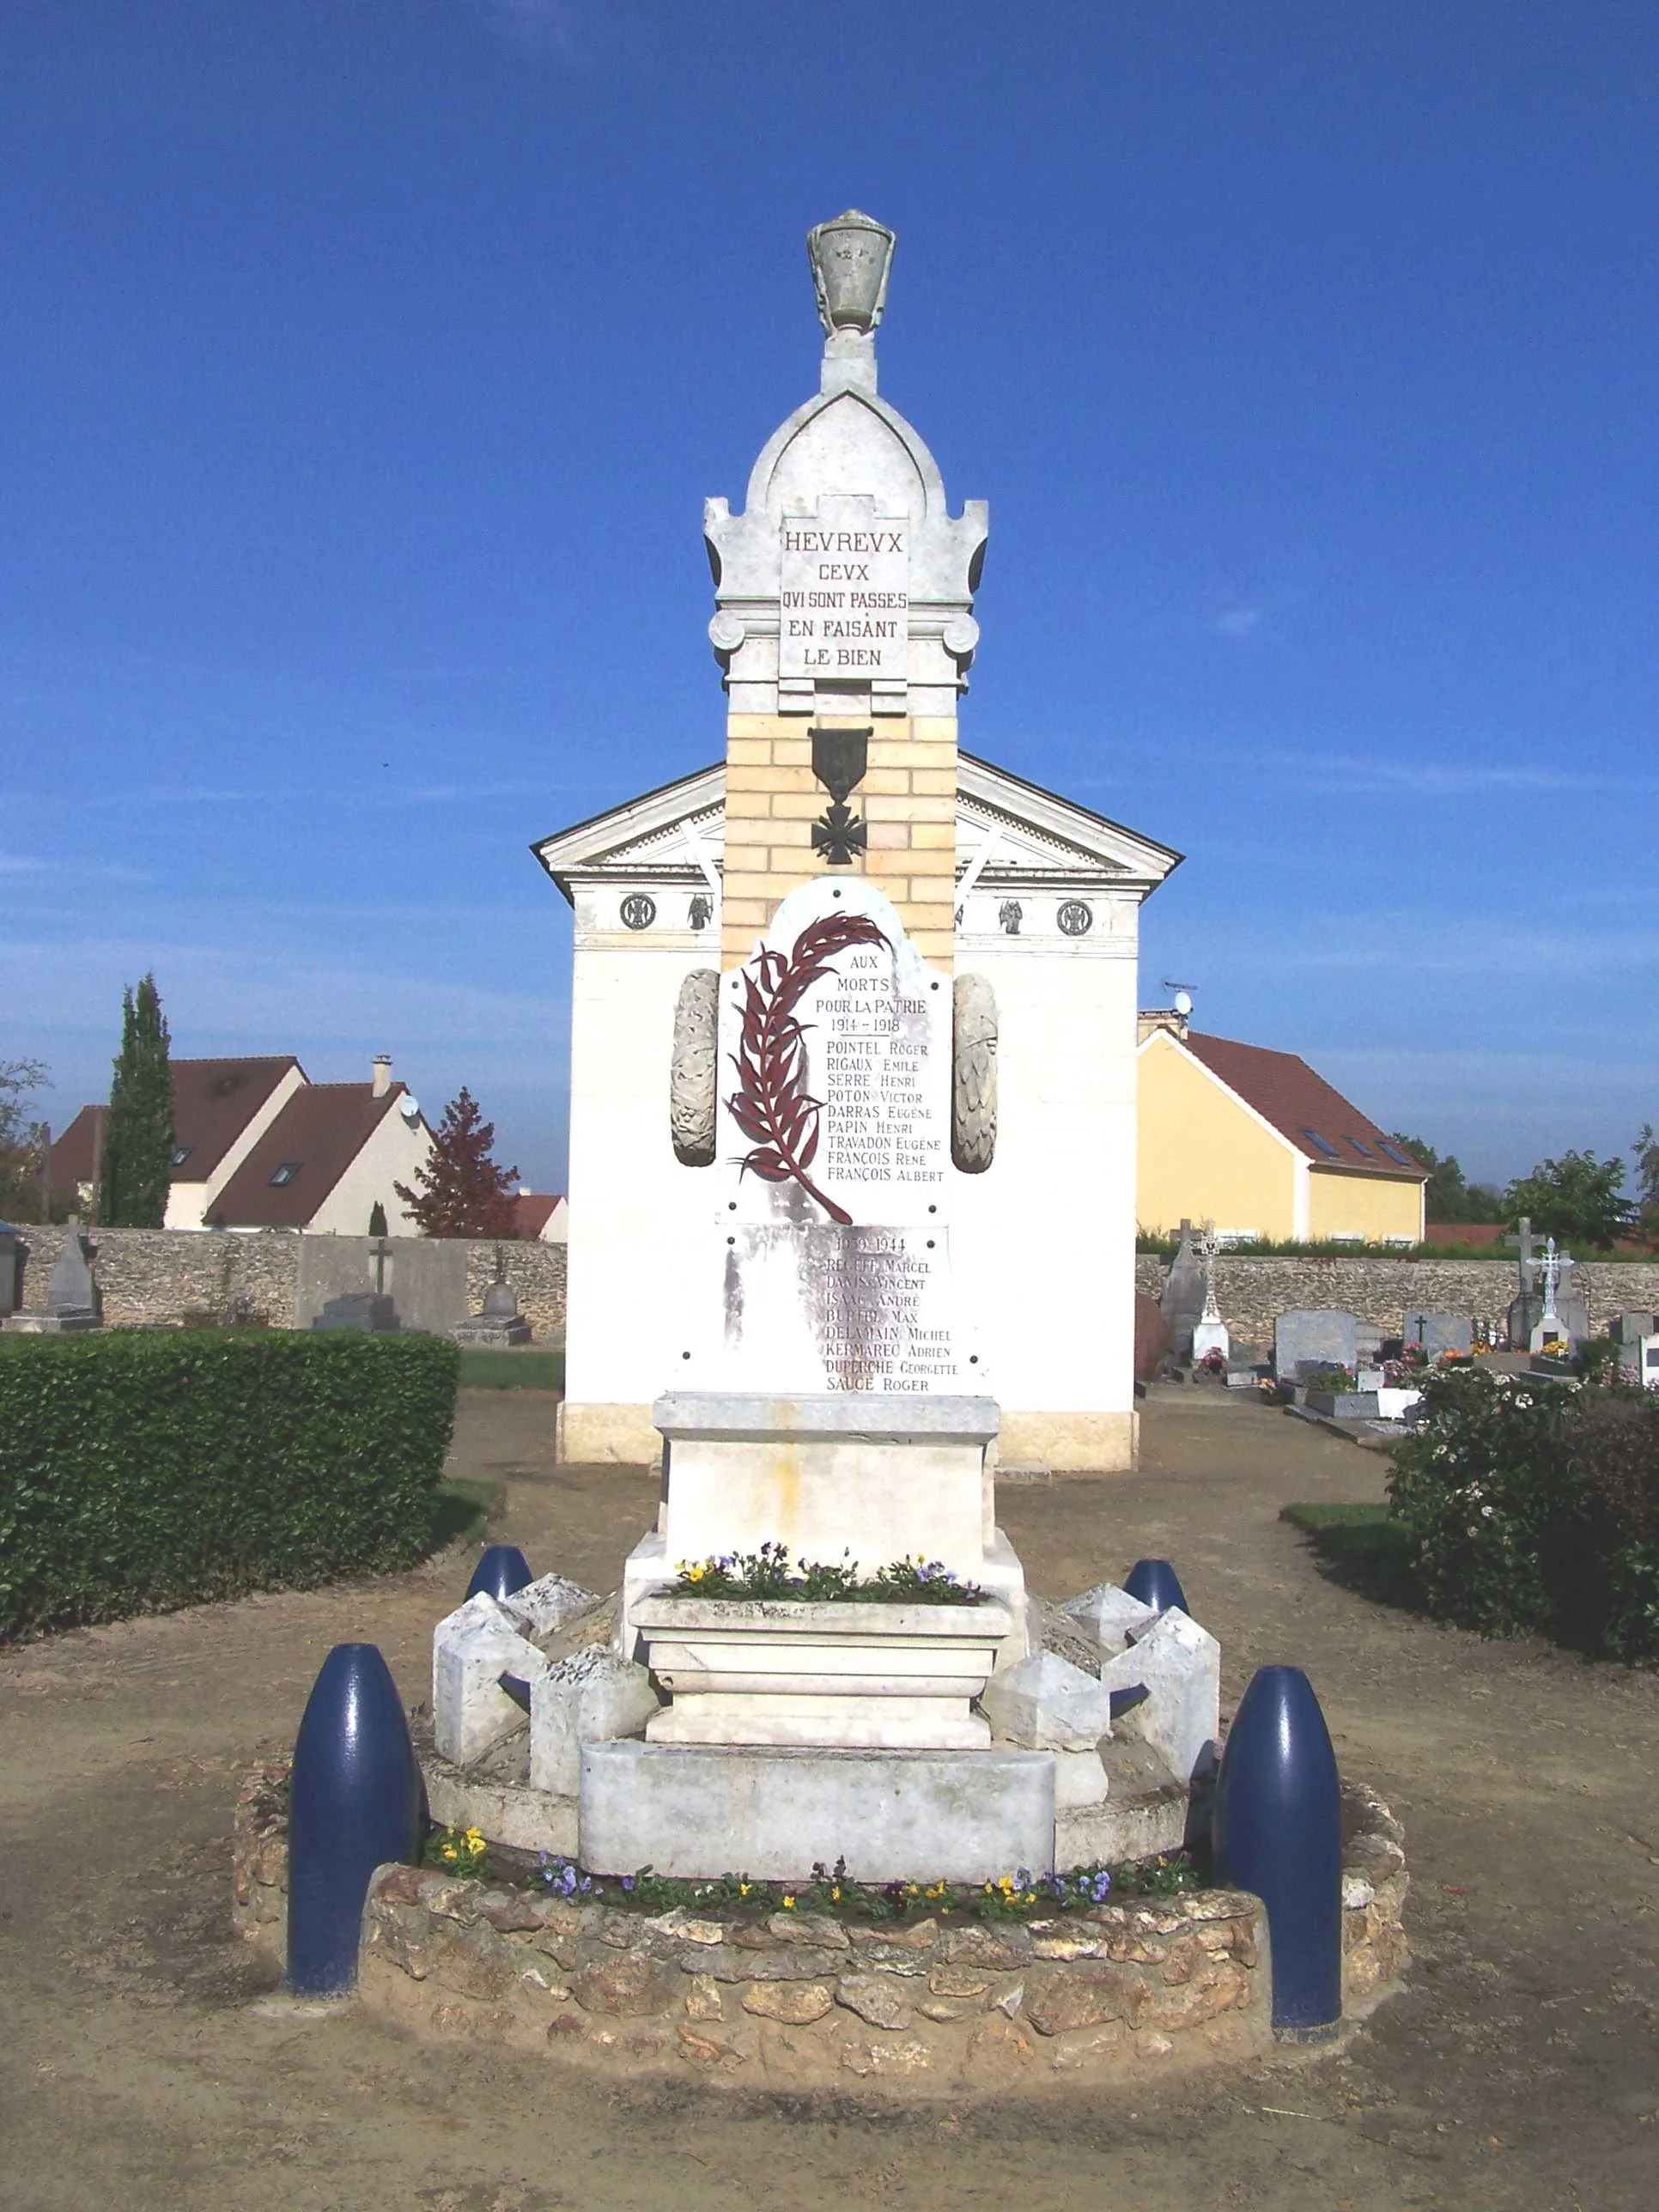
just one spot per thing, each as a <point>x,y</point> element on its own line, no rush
<point>1018,1895</point>
<point>747,1577</point>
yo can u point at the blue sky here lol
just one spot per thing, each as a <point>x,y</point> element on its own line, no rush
<point>366,363</point>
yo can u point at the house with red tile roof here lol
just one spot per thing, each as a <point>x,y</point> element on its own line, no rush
<point>541,1217</point>
<point>259,1145</point>
<point>1257,1142</point>
<point>221,1108</point>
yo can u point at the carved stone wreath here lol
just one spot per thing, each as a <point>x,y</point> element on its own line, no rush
<point>974,1075</point>
<point>692,1085</point>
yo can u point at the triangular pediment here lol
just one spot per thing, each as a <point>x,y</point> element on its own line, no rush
<point>1009,833</point>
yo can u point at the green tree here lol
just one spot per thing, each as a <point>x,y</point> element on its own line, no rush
<point>22,1141</point>
<point>1447,1196</point>
<point>463,1192</point>
<point>138,1136</point>
<point>1646,1149</point>
<point>1576,1199</point>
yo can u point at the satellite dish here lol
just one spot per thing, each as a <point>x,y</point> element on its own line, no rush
<point>1183,1003</point>
<point>409,1106</point>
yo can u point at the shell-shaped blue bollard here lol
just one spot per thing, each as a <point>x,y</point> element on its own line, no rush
<point>354,1803</point>
<point>1156,1582</point>
<point>502,1570</point>
<point>1278,1832</point>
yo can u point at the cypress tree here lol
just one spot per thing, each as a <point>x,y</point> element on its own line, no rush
<point>138,1138</point>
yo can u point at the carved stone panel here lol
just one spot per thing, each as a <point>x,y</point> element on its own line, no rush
<point>973,1076</point>
<point>692,1086</point>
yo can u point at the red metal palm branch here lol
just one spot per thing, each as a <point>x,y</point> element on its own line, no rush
<point>772,1105</point>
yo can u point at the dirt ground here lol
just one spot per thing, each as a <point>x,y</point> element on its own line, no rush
<point>143,2062</point>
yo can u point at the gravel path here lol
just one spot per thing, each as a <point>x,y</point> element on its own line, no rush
<point>142,2061</point>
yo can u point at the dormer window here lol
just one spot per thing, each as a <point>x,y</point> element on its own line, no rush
<point>284,1175</point>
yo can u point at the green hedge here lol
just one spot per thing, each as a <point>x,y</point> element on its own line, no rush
<point>1534,1506</point>
<point>141,1471</point>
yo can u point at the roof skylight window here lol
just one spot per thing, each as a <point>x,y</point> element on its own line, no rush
<point>1321,1144</point>
<point>1364,1151</point>
<point>1394,1153</point>
<point>180,1154</point>
<point>284,1175</point>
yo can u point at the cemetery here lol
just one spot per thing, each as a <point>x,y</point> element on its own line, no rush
<point>811,1787</point>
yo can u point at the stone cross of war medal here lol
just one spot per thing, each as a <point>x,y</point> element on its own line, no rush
<point>839,760</point>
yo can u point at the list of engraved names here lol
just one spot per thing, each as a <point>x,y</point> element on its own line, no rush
<point>882,1321</point>
<point>871,1068</point>
<point>877,1325</point>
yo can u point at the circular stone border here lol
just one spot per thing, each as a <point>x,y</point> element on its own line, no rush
<point>804,2001</point>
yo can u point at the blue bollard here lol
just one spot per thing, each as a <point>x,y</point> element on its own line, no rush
<point>354,1803</point>
<point>502,1570</point>
<point>1278,1832</point>
<point>1155,1582</point>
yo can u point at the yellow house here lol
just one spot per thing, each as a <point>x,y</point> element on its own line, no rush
<point>1255,1141</point>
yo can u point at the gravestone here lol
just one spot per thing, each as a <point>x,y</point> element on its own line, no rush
<point>74,1301</point>
<point>499,1325</point>
<point>13,1253</point>
<point>1632,1328</point>
<point>1528,1304</point>
<point>1210,1332</point>
<point>1434,1334</point>
<point>1182,1301</point>
<point>1310,1337</point>
<point>371,1311</point>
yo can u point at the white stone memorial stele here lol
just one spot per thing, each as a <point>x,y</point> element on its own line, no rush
<point>833,1144</point>
<point>831,1400</point>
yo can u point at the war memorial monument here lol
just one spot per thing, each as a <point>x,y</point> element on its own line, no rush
<point>852,1225</point>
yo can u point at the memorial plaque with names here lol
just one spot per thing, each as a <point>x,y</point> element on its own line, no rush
<point>834,1152</point>
<point>844,593</point>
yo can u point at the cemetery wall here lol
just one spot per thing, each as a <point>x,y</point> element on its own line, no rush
<point>1253,1292</point>
<point>158,1277</point>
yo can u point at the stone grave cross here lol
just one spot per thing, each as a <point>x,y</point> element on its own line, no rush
<point>1208,1246</point>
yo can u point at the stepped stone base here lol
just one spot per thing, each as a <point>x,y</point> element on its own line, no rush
<point>699,1810</point>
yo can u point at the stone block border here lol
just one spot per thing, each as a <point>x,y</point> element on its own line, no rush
<point>803,2001</point>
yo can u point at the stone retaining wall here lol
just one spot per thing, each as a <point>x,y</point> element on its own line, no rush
<point>801,2000</point>
<point>159,1277</point>
<point>1253,1292</point>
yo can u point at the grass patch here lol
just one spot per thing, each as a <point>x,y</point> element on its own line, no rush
<point>511,1371</point>
<point>1362,1546</point>
<point>464,1506</point>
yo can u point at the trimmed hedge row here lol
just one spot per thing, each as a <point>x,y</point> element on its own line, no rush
<point>1532,1506</point>
<point>140,1472</point>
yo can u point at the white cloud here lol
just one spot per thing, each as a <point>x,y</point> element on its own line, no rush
<point>548,27</point>
<point>1239,622</point>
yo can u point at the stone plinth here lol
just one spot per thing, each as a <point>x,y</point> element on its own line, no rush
<point>802,2000</point>
<point>901,1475</point>
<point>697,1811</point>
<point>499,1326</point>
<point>371,1311</point>
<point>847,1675</point>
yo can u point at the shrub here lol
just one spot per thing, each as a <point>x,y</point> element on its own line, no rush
<point>1531,1506</point>
<point>141,1471</point>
